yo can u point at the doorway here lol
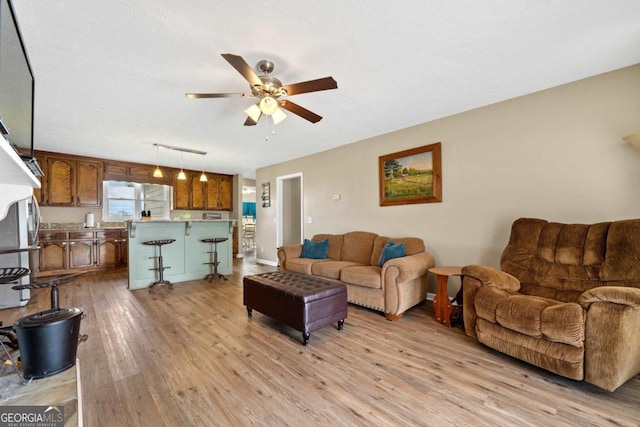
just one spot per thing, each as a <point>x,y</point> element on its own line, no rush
<point>290,227</point>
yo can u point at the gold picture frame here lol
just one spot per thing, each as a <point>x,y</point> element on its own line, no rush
<point>411,176</point>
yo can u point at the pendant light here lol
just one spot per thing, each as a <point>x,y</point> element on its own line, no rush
<point>181,175</point>
<point>157,173</point>
<point>203,177</point>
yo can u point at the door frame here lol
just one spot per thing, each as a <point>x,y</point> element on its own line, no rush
<point>280,206</point>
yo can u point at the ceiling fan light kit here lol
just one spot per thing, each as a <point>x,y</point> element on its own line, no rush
<point>278,116</point>
<point>268,105</point>
<point>268,90</point>
<point>254,112</point>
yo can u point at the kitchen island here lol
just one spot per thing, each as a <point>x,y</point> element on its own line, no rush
<point>186,257</point>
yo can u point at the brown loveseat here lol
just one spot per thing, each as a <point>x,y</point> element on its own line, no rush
<point>567,299</point>
<point>353,259</point>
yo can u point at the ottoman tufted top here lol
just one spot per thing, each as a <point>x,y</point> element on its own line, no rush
<point>296,286</point>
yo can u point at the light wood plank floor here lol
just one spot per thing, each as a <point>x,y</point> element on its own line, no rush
<point>193,357</point>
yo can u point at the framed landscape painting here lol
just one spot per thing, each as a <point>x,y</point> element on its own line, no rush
<point>411,176</point>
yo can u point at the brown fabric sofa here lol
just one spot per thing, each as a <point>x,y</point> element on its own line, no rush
<point>567,299</point>
<point>353,260</point>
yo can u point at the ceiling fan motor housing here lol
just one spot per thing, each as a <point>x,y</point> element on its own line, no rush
<point>270,85</point>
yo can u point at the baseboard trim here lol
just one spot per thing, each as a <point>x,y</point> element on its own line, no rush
<point>266,262</point>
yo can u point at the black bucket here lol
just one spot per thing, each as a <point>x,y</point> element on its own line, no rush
<point>48,341</point>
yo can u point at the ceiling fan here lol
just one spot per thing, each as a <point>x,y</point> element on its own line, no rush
<point>269,90</point>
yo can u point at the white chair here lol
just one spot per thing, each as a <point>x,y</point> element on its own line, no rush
<point>249,235</point>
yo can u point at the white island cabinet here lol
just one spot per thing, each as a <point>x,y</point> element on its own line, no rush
<point>186,257</point>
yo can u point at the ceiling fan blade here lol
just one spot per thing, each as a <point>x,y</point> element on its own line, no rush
<point>325,83</point>
<point>251,122</point>
<point>300,111</point>
<point>216,95</point>
<point>243,68</point>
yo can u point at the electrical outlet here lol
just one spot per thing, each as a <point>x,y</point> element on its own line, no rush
<point>309,220</point>
<point>335,197</point>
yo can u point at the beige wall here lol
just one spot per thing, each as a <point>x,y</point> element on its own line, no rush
<point>291,215</point>
<point>556,154</point>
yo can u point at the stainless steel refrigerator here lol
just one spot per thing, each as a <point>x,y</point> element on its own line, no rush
<point>19,233</point>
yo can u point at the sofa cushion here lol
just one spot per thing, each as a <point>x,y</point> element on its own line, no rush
<point>412,246</point>
<point>357,247</point>
<point>362,275</point>
<point>533,316</point>
<point>302,265</point>
<point>315,250</point>
<point>330,268</point>
<point>335,244</point>
<point>391,251</point>
<point>523,313</point>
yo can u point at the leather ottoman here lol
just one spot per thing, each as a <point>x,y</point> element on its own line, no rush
<point>306,303</point>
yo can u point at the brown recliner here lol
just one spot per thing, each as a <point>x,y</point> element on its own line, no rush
<point>567,299</point>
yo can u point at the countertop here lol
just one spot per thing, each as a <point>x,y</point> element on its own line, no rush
<point>74,226</point>
<point>143,221</point>
<point>122,227</point>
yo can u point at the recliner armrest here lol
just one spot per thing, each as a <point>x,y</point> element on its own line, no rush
<point>622,295</point>
<point>491,276</point>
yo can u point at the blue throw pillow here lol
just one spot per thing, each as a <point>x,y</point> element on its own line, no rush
<point>391,251</point>
<point>315,250</point>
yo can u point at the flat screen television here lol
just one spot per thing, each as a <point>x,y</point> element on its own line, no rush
<point>16,87</point>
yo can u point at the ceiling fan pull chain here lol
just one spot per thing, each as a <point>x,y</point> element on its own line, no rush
<point>266,127</point>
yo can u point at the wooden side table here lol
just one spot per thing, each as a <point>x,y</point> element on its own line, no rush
<point>442,303</point>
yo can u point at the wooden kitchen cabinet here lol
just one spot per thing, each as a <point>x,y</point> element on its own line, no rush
<point>109,248</point>
<point>181,193</point>
<point>108,252</point>
<point>220,192</point>
<point>135,172</point>
<point>198,191</point>
<point>70,181</point>
<point>76,181</point>
<point>89,183</point>
<point>53,251</point>
<point>60,180</point>
<point>81,249</point>
<point>189,193</point>
<point>215,194</point>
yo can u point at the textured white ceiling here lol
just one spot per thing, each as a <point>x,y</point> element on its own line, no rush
<point>111,75</point>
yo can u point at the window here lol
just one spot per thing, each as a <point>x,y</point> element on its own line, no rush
<point>155,198</point>
<point>125,200</point>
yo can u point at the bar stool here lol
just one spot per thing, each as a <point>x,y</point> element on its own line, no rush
<point>160,267</point>
<point>213,263</point>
